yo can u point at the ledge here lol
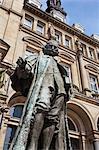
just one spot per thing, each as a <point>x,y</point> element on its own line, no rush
<point>83,97</point>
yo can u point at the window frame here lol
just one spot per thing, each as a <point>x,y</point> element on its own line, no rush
<point>30,50</point>
<point>68,78</point>
<point>42,25</point>
<point>96,82</point>
<point>11,115</point>
<point>84,49</point>
<point>69,39</point>
<point>10,138</point>
<point>92,53</point>
<point>59,35</point>
<point>28,18</point>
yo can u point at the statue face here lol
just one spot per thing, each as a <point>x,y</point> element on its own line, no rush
<point>50,50</point>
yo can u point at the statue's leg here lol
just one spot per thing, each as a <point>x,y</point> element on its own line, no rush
<point>52,116</point>
<point>47,136</point>
<point>36,130</point>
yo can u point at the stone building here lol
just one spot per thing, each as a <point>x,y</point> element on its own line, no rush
<point>24,30</point>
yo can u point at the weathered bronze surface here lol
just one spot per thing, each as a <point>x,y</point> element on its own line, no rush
<point>42,80</point>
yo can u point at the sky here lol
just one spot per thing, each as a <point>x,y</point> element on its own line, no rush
<point>83,12</point>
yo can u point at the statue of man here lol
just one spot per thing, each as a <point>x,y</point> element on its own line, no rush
<point>45,98</point>
<point>54,3</point>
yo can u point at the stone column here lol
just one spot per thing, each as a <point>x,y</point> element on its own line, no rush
<point>83,142</point>
<point>83,74</point>
<point>75,76</point>
<point>35,24</point>
<point>63,39</point>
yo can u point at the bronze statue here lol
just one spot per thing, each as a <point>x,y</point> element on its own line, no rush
<point>43,79</point>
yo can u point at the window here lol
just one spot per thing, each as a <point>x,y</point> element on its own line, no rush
<point>29,51</point>
<point>75,143</point>
<point>40,27</point>
<point>67,41</point>
<point>93,83</point>
<point>91,53</point>
<point>74,135</point>
<point>58,36</point>
<point>28,22</point>
<point>83,47</point>
<point>16,111</point>
<point>9,136</point>
<point>71,125</point>
<point>68,76</point>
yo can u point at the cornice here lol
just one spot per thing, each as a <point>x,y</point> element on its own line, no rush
<point>93,62</point>
<point>83,97</point>
<point>92,68</point>
<point>49,18</point>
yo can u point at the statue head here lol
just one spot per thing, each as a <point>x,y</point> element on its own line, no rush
<point>51,48</point>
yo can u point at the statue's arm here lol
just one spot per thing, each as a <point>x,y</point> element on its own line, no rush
<point>21,75</point>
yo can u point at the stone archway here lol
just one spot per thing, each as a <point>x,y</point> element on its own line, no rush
<point>84,123</point>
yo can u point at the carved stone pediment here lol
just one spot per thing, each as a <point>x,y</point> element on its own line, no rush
<point>4,47</point>
<point>66,56</point>
<point>92,68</point>
<point>33,41</point>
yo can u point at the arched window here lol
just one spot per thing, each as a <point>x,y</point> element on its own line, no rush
<point>9,136</point>
<point>16,111</point>
<point>75,143</point>
<point>74,135</point>
<point>71,125</point>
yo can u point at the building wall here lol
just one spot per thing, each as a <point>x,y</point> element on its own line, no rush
<point>83,107</point>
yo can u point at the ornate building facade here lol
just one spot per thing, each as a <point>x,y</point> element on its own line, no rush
<point>24,30</point>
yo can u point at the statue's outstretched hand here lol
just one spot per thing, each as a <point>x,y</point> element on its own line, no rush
<point>21,63</point>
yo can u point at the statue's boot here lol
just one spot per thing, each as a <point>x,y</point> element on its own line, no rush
<point>35,133</point>
<point>47,136</point>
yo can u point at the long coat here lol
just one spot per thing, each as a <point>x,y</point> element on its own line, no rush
<point>46,73</point>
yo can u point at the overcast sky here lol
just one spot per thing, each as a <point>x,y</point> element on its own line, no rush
<point>84,12</point>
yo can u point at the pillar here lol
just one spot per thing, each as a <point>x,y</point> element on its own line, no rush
<point>83,142</point>
<point>75,76</point>
<point>83,74</point>
<point>35,25</point>
<point>96,144</point>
